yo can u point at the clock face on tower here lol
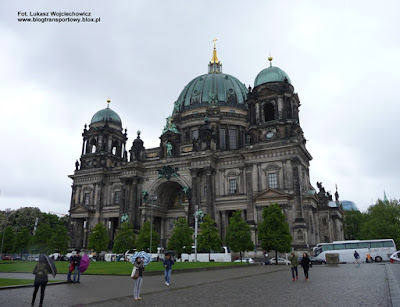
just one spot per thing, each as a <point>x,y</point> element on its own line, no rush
<point>270,134</point>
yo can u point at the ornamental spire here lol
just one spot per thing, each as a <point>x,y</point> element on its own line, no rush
<point>270,58</point>
<point>214,58</point>
<point>215,65</point>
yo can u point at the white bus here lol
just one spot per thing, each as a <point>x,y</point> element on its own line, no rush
<point>224,255</point>
<point>380,250</point>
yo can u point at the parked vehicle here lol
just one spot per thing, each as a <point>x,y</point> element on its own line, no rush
<point>280,261</point>
<point>248,260</point>
<point>224,255</point>
<point>7,258</point>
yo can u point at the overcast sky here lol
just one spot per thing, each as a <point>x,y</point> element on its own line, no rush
<point>343,58</point>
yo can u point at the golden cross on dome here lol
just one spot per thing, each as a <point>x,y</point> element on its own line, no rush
<point>214,40</point>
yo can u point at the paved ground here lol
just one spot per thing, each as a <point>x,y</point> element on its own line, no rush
<point>343,285</point>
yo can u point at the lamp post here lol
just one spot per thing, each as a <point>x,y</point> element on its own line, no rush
<point>198,214</point>
<point>152,200</point>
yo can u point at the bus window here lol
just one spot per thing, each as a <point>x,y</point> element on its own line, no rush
<point>351,245</point>
<point>327,247</point>
<point>363,245</point>
<point>376,244</point>
<point>338,246</point>
<point>388,244</point>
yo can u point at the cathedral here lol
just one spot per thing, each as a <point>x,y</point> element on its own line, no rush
<point>224,148</point>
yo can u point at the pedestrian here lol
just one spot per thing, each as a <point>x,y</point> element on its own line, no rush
<point>168,263</point>
<point>357,258</point>
<point>71,267</point>
<point>40,271</point>
<point>138,282</point>
<point>294,262</point>
<point>305,262</point>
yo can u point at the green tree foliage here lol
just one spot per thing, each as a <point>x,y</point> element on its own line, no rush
<point>352,224</point>
<point>238,234</point>
<point>182,238</point>
<point>125,238</point>
<point>382,221</point>
<point>41,239</point>
<point>51,219</point>
<point>60,238</point>
<point>24,217</point>
<point>98,238</point>
<point>209,238</point>
<point>9,240</point>
<point>22,240</point>
<point>143,241</point>
<point>274,230</point>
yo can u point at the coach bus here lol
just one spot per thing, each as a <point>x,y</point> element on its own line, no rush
<point>224,255</point>
<point>380,250</point>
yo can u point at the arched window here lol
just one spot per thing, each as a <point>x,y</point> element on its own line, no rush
<point>93,145</point>
<point>269,112</point>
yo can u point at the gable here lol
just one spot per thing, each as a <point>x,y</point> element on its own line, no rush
<point>270,194</point>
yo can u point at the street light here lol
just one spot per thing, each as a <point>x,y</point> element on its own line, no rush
<point>152,199</point>
<point>197,215</point>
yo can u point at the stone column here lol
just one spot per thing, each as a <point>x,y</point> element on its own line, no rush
<point>209,196</point>
<point>259,186</point>
<point>193,201</point>
<point>299,222</point>
<point>249,193</point>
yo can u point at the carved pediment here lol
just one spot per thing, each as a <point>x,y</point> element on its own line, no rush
<point>270,194</point>
<point>80,209</point>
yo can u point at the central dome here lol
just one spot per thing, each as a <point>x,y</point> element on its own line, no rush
<point>212,88</point>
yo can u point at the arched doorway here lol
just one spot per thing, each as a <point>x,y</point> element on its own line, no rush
<point>171,204</point>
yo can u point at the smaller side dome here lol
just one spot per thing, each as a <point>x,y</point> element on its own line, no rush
<point>106,115</point>
<point>271,74</point>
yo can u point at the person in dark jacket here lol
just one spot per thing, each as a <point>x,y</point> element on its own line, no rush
<point>168,263</point>
<point>305,262</point>
<point>294,262</point>
<point>138,282</point>
<point>40,271</point>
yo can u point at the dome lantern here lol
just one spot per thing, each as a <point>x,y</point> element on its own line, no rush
<point>271,74</point>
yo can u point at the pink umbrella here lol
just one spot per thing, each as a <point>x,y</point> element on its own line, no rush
<point>84,263</point>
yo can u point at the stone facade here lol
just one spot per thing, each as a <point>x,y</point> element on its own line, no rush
<point>218,156</point>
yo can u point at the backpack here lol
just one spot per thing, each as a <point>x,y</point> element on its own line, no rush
<point>41,270</point>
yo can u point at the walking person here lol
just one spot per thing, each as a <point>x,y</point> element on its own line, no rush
<point>294,262</point>
<point>40,271</point>
<point>168,262</point>
<point>357,258</point>
<point>305,262</point>
<point>138,282</point>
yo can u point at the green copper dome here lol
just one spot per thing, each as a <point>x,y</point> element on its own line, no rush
<point>106,115</point>
<point>212,88</point>
<point>271,74</point>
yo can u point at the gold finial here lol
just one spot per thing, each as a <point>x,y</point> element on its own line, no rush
<point>108,100</point>
<point>270,58</point>
<point>214,58</point>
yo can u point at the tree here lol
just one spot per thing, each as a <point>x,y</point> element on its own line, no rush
<point>143,241</point>
<point>274,231</point>
<point>182,238</point>
<point>125,238</point>
<point>24,217</point>
<point>41,239</point>
<point>9,240</point>
<point>209,238</point>
<point>22,240</point>
<point>60,238</point>
<point>98,239</point>
<point>238,234</point>
<point>353,221</point>
<point>382,221</point>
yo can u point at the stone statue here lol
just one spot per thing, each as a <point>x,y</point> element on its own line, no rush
<point>77,165</point>
<point>169,149</point>
<point>337,196</point>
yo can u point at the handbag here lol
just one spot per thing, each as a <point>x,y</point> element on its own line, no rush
<point>135,273</point>
<point>71,267</point>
